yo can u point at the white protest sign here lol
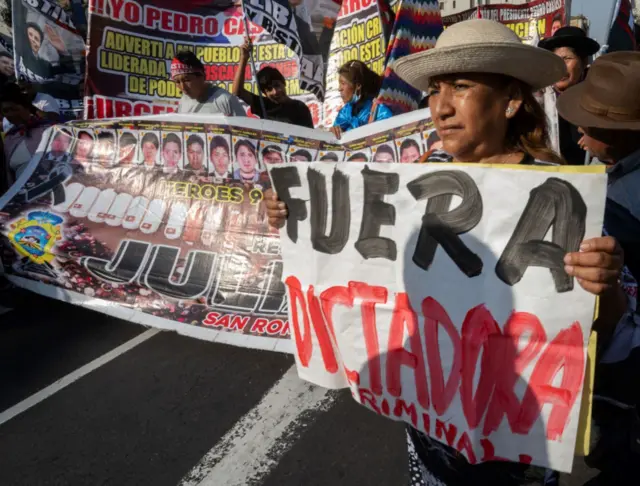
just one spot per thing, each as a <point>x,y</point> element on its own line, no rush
<point>437,293</point>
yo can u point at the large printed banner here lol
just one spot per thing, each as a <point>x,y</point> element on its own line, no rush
<point>541,15</point>
<point>49,51</point>
<point>160,220</point>
<point>437,294</point>
<point>132,43</point>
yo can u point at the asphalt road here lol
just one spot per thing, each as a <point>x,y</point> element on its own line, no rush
<point>175,411</point>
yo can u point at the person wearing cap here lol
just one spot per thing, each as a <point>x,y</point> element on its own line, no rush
<point>480,79</point>
<point>573,46</point>
<point>198,96</point>
<point>46,105</point>
<point>606,108</point>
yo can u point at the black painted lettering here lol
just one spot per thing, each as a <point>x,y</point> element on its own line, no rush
<point>340,211</point>
<point>554,203</point>
<point>125,265</point>
<point>442,225</point>
<point>376,213</point>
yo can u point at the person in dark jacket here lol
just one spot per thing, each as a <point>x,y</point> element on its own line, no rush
<point>574,47</point>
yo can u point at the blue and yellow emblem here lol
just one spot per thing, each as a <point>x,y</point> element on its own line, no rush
<point>35,236</point>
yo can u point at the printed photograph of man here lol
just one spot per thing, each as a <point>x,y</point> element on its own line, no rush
<point>434,142</point>
<point>358,157</point>
<point>301,155</point>
<point>219,155</point>
<point>329,157</point>
<point>409,151</point>
<point>150,147</point>
<point>384,154</point>
<point>48,55</point>
<point>171,153</point>
<point>556,24</point>
<point>60,145</point>
<point>196,161</point>
<point>6,64</point>
<point>105,150</point>
<point>84,147</point>
<point>127,148</point>
<point>272,154</point>
<point>247,162</point>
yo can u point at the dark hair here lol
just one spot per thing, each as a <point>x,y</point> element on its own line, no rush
<point>191,60</point>
<point>171,138</point>
<point>11,93</point>
<point>302,153</point>
<point>330,156</point>
<point>557,18</point>
<point>85,132</point>
<point>386,149</point>
<point>195,139</point>
<point>6,54</point>
<point>36,27</point>
<point>357,72</point>
<point>246,144</point>
<point>433,138</point>
<point>219,141</point>
<point>267,76</point>
<point>357,155</point>
<point>63,131</point>
<point>528,131</point>
<point>150,138</point>
<point>409,142</point>
<point>106,136</point>
<point>128,139</point>
<point>271,148</point>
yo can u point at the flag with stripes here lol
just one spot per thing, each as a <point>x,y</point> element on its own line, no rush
<point>622,34</point>
<point>416,27</point>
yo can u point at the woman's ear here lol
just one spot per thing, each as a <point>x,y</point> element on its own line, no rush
<point>515,102</point>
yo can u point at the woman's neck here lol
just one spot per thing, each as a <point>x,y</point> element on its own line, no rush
<point>498,158</point>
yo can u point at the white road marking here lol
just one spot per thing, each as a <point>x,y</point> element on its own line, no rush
<point>65,381</point>
<point>255,444</point>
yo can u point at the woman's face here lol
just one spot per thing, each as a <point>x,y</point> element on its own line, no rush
<point>346,89</point>
<point>84,147</point>
<point>171,154</point>
<point>149,151</point>
<point>574,66</point>
<point>220,160</point>
<point>34,39</point>
<point>246,160</point>
<point>15,113</point>
<point>469,113</point>
<point>6,66</point>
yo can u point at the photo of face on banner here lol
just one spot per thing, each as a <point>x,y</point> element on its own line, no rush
<point>127,147</point>
<point>434,142</point>
<point>384,153</point>
<point>272,153</point>
<point>82,152</point>
<point>196,159</point>
<point>361,155</point>
<point>171,152</point>
<point>409,148</point>
<point>104,150</point>
<point>246,164</point>
<point>219,156</point>
<point>149,149</point>
<point>6,64</point>
<point>298,154</point>
<point>330,156</point>
<point>60,145</point>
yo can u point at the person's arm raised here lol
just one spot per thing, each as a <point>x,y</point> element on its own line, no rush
<point>238,80</point>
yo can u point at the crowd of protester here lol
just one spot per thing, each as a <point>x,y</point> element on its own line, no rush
<point>484,90</point>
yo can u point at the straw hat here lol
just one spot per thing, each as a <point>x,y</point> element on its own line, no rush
<point>610,96</point>
<point>481,46</point>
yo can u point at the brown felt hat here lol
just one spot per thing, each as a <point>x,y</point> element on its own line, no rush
<point>610,96</point>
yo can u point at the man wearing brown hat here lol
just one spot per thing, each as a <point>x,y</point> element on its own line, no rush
<point>606,108</point>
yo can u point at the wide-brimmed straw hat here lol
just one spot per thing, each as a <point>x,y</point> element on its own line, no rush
<point>481,46</point>
<point>610,96</point>
<point>573,37</point>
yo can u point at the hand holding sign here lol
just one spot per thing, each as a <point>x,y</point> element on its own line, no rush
<point>597,265</point>
<point>276,209</point>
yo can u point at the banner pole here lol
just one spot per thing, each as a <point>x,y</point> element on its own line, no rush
<point>253,65</point>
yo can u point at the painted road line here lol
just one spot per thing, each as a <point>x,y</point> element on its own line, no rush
<point>255,444</point>
<point>67,380</point>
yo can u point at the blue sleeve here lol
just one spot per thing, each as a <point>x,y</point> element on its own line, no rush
<point>383,112</point>
<point>344,119</point>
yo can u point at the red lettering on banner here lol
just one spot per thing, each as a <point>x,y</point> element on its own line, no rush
<point>238,323</point>
<point>434,317</point>
<point>259,325</point>
<point>116,8</point>
<point>464,446</point>
<point>446,431</point>
<point>409,409</point>
<point>322,333</point>
<point>368,398</point>
<point>353,6</point>
<point>405,317</point>
<point>298,305</point>
<point>210,319</point>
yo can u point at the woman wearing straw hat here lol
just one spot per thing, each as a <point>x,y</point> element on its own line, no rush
<point>480,80</point>
<point>573,46</point>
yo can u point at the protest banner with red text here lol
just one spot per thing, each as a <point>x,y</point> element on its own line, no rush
<point>539,14</point>
<point>132,43</point>
<point>437,294</point>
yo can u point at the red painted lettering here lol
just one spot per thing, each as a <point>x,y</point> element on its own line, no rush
<point>368,399</point>
<point>446,431</point>
<point>238,323</point>
<point>298,305</point>
<point>464,446</point>
<point>402,407</point>
<point>259,325</point>
<point>322,333</point>
<point>210,319</point>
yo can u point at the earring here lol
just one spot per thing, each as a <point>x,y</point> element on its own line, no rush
<point>509,111</point>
